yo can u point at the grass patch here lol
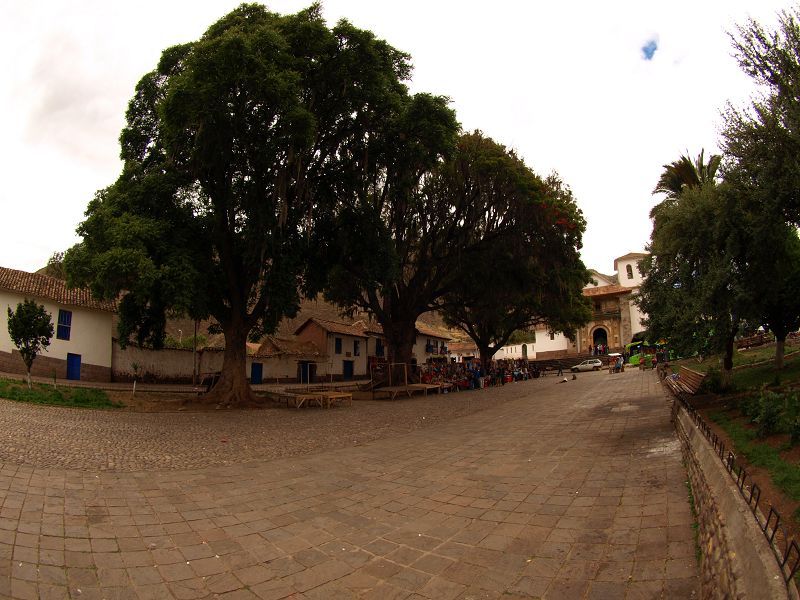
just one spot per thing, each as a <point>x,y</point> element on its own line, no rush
<point>759,368</point>
<point>698,552</point>
<point>785,475</point>
<point>48,394</point>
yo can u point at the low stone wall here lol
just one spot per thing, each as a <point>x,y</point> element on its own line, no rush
<point>737,561</point>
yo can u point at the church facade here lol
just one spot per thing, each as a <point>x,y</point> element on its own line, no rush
<point>615,317</point>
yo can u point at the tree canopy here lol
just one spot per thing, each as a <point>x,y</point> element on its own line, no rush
<point>436,220</point>
<point>762,141</point>
<point>532,275</point>
<point>236,149</point>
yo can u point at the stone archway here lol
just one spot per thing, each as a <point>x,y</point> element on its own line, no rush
<point>600,336</point>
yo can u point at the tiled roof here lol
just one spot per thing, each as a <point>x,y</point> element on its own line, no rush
<point>609,278</point>
<point>458,347</point>
<point>335,327</point>
<point>376,328</point>
<point>273,346</point>
<point>431,332</point>
<point>35,285</point>
<point>606,290</point>
<point>373,327</point>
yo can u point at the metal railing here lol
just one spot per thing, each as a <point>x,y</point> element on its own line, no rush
<point>786,549</point>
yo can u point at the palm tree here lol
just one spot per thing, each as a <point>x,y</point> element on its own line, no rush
<point>685,173</point>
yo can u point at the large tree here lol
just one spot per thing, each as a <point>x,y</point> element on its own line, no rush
<point>236,147</point>
<point>428,218</point>
<point>694,293</point>
<point>762,171</point>
<point>775,277</point>
<point>530,276</point>
<point>763,140</point>
<point>30,328</point>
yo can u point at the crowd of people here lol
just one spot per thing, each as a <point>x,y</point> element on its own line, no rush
<point>469,375</point>
<point>598,349</point>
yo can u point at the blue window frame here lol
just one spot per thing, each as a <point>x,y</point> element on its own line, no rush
<point>64,324</point>
<point>337,345</point>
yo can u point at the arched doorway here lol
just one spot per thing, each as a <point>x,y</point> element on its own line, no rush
<point>600,337</point>
<point>525,351</point>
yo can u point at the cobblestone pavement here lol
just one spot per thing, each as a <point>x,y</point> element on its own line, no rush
<point>571,490</point>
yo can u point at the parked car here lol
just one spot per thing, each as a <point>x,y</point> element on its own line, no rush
<point>593,364</point>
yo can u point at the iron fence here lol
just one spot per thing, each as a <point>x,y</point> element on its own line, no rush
<point>786,549</point>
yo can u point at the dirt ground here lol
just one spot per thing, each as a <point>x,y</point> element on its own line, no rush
<point>150,402</point>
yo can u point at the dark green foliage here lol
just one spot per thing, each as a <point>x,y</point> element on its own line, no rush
<point>693,293</point>
<point>529,275</point>
<point>185,343</point>
<point>769,414</point>
<point>30,328</point>
<point>749,406</point>
<point>772,412</point>
<point>784,474</point>
<point>712,382</point>
<point>46,394</point>
<point>762,143</point>
<point>237,149</point>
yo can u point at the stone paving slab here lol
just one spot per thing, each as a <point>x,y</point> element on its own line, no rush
<point>571,490</point>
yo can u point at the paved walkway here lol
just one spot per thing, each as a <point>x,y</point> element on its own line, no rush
<point>571,490</point>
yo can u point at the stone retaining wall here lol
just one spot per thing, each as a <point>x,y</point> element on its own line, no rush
<point>737,561</point>
<point>47,366</point>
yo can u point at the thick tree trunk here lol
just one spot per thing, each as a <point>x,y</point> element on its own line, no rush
<point>486,355</point>
<point>727,364</point>
<point>400,339</point>
<point>780,349</point>
<point>233,389</point>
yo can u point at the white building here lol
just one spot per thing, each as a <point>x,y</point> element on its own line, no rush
<point>615,317</point>
<point>81,343</point>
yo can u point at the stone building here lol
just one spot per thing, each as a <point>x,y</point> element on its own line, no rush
<point>615,317</point>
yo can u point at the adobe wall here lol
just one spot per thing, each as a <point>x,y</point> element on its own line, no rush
<point>172,365</point>
<point>736,561</point>
<point>163,366</point>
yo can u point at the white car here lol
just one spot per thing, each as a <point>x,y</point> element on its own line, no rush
<point>593,364</point>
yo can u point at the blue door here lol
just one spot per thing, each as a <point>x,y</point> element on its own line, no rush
<point>74,367</point>
<point>256,373</point>
<point>347,370</point>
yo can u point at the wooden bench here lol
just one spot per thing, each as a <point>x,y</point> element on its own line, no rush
<point>298,400</point>
<point>685,383</point>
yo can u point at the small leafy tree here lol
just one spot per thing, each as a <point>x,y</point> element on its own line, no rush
<point>30,328</point>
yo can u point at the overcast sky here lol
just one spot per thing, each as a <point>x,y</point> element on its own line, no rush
<point>605,93</point>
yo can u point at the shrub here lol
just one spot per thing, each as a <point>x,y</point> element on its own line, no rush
<point>750,407</point>
<point>712,382</point>
<point>771,408</point>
